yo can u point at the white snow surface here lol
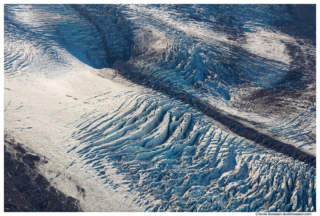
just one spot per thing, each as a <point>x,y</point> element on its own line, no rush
<point>132,148</point>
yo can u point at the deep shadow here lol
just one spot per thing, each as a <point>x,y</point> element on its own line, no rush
<point>111,26</point>
<point>25,190</point>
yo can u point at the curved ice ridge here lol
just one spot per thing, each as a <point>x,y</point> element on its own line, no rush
<point>44,29</point>
<point>196,49</point>
<point>173,157</point>
<point>188,52</point>
<point>176,160</point>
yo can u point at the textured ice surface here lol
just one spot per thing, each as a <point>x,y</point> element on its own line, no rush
<point>174,155</point>
<point>136,148</point>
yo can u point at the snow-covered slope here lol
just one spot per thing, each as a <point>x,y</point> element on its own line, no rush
<point>166,107</point>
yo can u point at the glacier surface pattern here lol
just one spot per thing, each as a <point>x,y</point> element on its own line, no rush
<point>170,153</point>
<point>218,114</point>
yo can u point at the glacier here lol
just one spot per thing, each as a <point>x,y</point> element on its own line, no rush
<point>167,107</point>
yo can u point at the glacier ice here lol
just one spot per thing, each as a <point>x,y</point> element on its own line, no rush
<point>217,110</point>
<point>171,154</point>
